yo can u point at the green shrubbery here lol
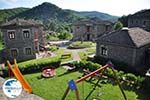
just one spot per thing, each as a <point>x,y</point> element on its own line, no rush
<point>80,45</point>
<point>87,64</point>
<point>128,80</point>
<point>53,48</point>
<point>36,65</point>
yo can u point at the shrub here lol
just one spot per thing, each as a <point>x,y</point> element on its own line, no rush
<point>87,64</point>
<point>80,45</point>
<point>36,65</point>
<point>53,48</point>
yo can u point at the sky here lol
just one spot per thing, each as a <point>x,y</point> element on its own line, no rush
<point>113,7</point>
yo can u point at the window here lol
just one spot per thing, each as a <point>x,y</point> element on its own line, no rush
<point>107,27</point>
<point>104,51</point>
<point>88,28</point>
<point>28,51</point>
<point>144,22</point>
<point>26,33</point>
<point>136,22</point>
<point>14,53</point>
<point>11,34</point>
<point>131,21</point>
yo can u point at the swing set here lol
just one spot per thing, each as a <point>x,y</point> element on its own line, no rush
<point>72,84</point>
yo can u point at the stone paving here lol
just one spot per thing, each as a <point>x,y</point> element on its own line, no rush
<point>24,95</point>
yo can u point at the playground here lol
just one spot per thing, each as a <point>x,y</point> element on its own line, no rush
<point>52,83</point>
<point>54,88</point>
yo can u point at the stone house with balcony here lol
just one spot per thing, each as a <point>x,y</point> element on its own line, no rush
<point>22,39</point>
<point>128,45</point>
<point>90,29</point>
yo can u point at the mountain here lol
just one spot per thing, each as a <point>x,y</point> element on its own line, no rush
<point>6,13</point>
<point>47,11</point>
<point>100,15</point>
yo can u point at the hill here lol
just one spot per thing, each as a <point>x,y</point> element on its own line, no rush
<point>7,13</point>
<point>100,15</point>
<point>47,11</point>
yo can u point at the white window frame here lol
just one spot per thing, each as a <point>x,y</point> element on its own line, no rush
<point>25,35</point>
<point>104,52</point>
<point>11,36</point>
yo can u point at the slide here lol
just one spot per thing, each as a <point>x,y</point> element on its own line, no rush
<point>20,77</point>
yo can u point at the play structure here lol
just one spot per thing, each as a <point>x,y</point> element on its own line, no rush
<point>48,72</point>
<point>16,72</point>
<point>72,85</point>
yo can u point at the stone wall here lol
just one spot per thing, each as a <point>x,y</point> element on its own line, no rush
<point>117,53</point>
<point>80,31</point>
<point>142,22</point>
<point>20,43</point>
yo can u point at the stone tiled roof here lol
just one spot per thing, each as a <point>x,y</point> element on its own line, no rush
<point>143,13</point>
<point>21,22</point>
<point>134,37</point>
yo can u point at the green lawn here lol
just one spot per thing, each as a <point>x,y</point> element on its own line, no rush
<point>53,88</point>
<point>89,51</point>
<point>60,52</point>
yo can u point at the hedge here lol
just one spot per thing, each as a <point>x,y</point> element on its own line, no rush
<point>86,64</point>
<point>36,65</point>
<point>128,80</point>
<point>80,45</point>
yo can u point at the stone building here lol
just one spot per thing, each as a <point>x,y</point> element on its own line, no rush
<point>140,19</point>
<point>130,45</point>
<point>22,39</point>
<point>90,29</point>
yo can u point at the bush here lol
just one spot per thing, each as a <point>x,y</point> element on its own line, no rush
<point>36,65</point>
<point>53,48</point>
<point>80,45</point>
<point>87,64</point>
<point>128,80</point>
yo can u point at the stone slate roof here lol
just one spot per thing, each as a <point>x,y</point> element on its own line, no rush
<point>20,22</point>
<point>133,37</point>
<point>92,21</point>
<point>142,13</point>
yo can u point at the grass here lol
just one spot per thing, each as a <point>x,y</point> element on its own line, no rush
<point>60,52</point>
<point>84,55</point>
<point>54,88</point>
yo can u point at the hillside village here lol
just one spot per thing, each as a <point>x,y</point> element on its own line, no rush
<point>53,51</point>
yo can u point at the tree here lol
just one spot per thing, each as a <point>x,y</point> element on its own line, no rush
<point>65,35</point>
<point>118,25</point>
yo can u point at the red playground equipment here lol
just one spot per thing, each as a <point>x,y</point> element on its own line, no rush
<point>48,72</point>
<point>72,84</point>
